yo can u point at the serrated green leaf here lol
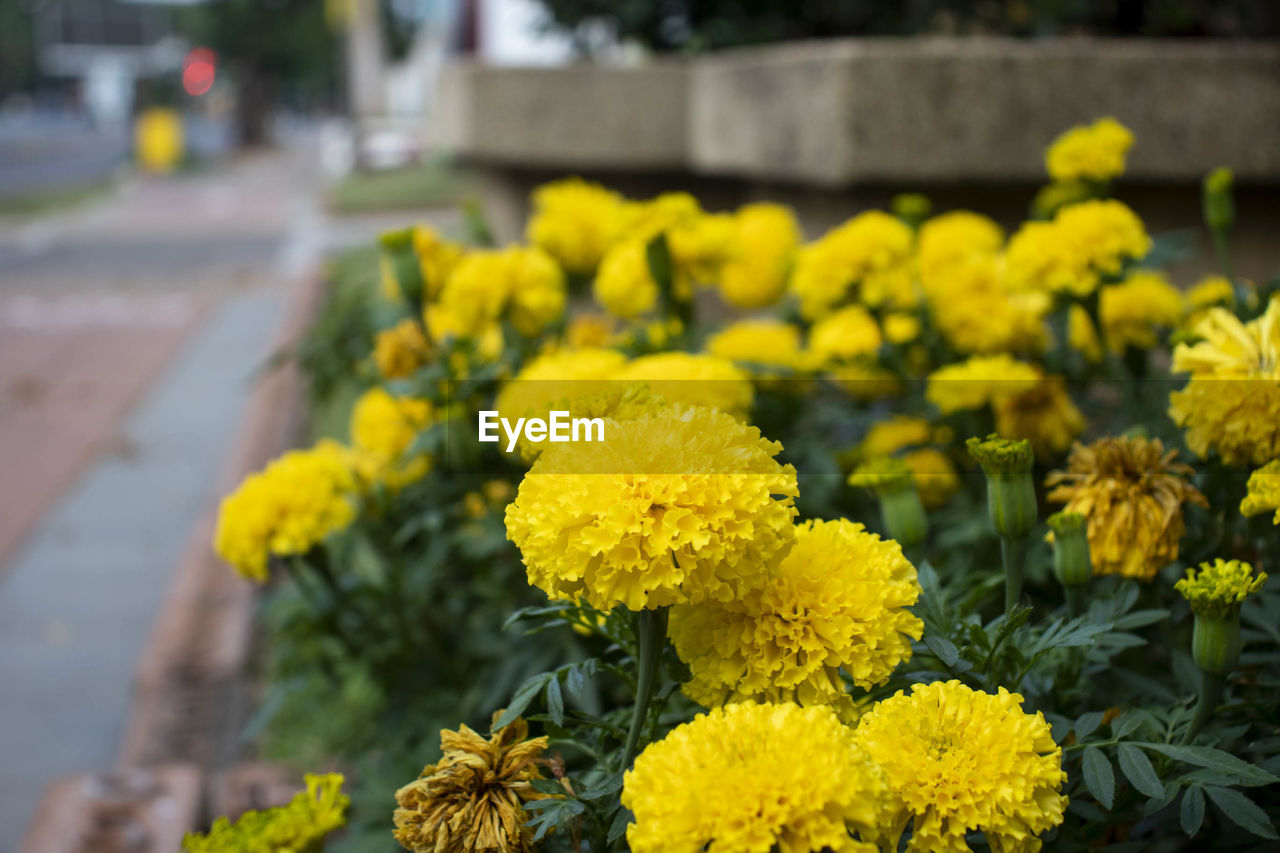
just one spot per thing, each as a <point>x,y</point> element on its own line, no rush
<point>1137,768</point>
<point>944,649</point>
<point>1099,778</point>
<point>1126,723</point>
<point>1191,812</point>
<point>1214,759</point>
<point>555,701</point>
<point>1242,811</point>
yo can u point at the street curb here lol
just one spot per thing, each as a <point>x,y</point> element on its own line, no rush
<point>191,695</point>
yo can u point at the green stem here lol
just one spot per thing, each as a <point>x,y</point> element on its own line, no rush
<point>651,631</point>
<point>1222,248</point>
<point>1075,599</point>
<point>1210,695</point>
<point>1011,556</point>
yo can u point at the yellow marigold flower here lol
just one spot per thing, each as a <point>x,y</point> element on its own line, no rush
<point>848,334</point>
<point>526,282</point>
<point>1211,291</point>
<point>472,800</point>
<point>1044,415</point>
<point>766,238</point>
<point>887,437</point>
<point>644,220</point>
<point>288,508</point>
<point>980,381</point>
<point>437,258</point>
<point>754,778</point>
<point>682,504</point>
<point>1091,152</point>
<point>1218,589</point>
<point>838,601</point>
<point>589,331</point>
<point>299,826</point>
<point>864,379</point>
<point>956,760</point>
<point>976,314</point>
<point>1232,402</point>
<point>1071,254</point>
<point>955,237</point>
<point>935,477</point>
<point>1133,311</point>
<point>867,257</point>
<point>574,221</point>
<point>382,428</point>
<point>704,380</point>
<point>1264,491</point>
<point>401,350</point>
<point>900,328</point>
<point>1082,335</point>
<point>1132,492</point>
<point>624,286</point>
<point>445,326</point>
<point>769,343</point>
<point>700,249</point>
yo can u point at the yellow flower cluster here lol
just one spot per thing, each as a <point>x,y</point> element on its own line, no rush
<point>956,760</point>
<point>1264,491</point>
<point>1083,245</point>
<point>1232,402</point>
<point>838,600</point>
<point>1218,589</point>
<point>1132,493</point>
<point>574,221</point>
<point>299,826</point>
<point>934,475</point>
<point>680,504</point>
<point>754,778</point>
<point>766,238</point>
<point>704,380</point>
<point>1136,310</point>
<point>436,259</point>
<point>383,427</point>
<point>849,334</point>
<point>472,799</point>
<point>978,382</point>
<point>525,284</point>
<point>401,350</point>
<point>286,509</point>
<point>1090,152</point>
<point>1044,415</point>
<point>762,344</point>
<point>867,258</point>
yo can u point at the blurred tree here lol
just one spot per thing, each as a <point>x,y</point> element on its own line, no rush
<point>275,50</point>
<point>696,25</point>
<point>17,47</point>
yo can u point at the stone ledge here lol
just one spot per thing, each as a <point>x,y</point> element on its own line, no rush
<point>870,111</point>
<point>576,117</point>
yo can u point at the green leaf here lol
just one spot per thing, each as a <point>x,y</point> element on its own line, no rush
<point>1099,778</point>
<point>1126,723</point>
<point>944,649</point>
<point>619,825</point>
<point>1086,724</point>
<point>1191,812</point>
<point>523,696</point>
<point>555,701</point>
<point>1138,770</point>
<point>1242,811</point>
<point>1215,759</point>
<point>551,813</point>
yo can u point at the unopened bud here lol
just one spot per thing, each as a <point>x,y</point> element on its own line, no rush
<point>1011,492</point>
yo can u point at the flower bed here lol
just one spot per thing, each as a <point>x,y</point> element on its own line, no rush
<point>950,537</point>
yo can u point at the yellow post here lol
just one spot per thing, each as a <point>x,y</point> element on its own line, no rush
<point>158,140</point>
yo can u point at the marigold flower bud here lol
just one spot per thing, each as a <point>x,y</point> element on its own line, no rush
<point>1011,493</point>
<point>894,485</point>
<point>1071,563</point>
<point>1215,594</point>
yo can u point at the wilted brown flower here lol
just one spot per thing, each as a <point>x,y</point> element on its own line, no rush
<point>1132,492</point>
<point>472,799</point>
